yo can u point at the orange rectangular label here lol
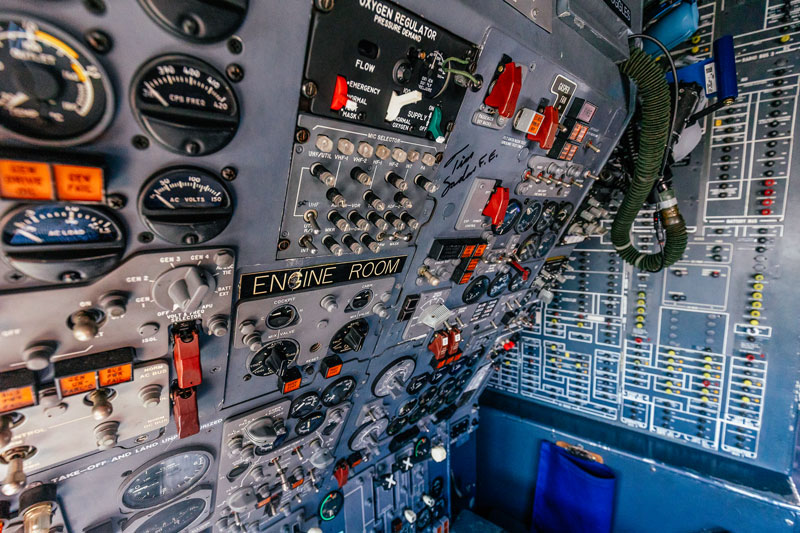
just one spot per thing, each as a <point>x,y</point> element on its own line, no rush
<point>290,386</point>
<point>83,184</point>
<point>473,264</point>
<point>298,483</point>
<point>12,399</point>
<point>536,123</point>
<point>468,250</point>
<point>25,180</point>
<point>333,371</point>
<point>479,250</point>
<point>77,384</point>
<point>465,278</point>
<point>115,375</point>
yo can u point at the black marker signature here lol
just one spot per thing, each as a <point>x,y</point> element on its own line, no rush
<point>463,167</point>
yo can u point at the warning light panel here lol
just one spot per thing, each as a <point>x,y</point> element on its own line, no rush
<point>103,369</point>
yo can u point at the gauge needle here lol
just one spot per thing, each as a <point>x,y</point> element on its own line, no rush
<point>157,95</point>
<point>18,99</point>
<point>164,201</point>
<point>29,235</point>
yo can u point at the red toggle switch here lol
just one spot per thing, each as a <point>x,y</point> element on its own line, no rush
<point>526,272</point>
<point>339,94</point>
<point>547,131</point>
<point>186,354</point>
<point>505,92</point>
<point>341,473</point>
<point>509,345</point>
<point>184,411</point>
<point>453,340</point>
<point>497,205</point>
<point>438,344</point>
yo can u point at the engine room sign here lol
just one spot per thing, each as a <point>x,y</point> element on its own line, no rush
<point>260,284</point>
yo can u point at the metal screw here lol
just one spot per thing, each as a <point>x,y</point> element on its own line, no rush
<point>301,135</point>
<point>140,142</point>
<point>283,244</point>
<point>324,5</point>
<point>99,40</point>
<point>229,173</point>
<point>189,26</point>
<point>190,238</point>
<point>145,237</point>
<point>14,277</point>
<point>116,201</point>
<point>309,89</point>
<point>235,72</point>
<point>98,7</point>
<point>534,13</point>
<point>235,45</point>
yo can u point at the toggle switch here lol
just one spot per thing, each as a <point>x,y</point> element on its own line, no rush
<point>497,205</point>
<point>505,91</point>
<point>398,102</point>
<point>186,355</point>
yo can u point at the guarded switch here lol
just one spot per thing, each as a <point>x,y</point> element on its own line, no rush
<point>505,92</point>
<point>497,205</point>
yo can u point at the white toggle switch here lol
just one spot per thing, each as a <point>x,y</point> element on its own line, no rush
<point>399,101</point>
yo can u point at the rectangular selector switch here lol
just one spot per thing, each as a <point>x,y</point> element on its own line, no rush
<point>186,354</point>
<point>184,411</point>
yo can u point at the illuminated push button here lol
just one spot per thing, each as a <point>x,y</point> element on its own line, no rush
<point>640,310</point>
<point>706,375</point>
<point>670,360</point>
<point>704,399</point>
<point>757,305</point>
<point>670,368</point>
<point>745,399</point>
<point>755,313</point>
<point>641,302</point>
<point>747,383</point>
<point>707,367</point>
<point>641,294</point>
<point>754,322</point>
<point>758,287</point>
<point>668,391</point>
<point>759,277</point>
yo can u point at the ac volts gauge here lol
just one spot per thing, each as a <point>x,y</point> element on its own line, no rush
<point>57,242</point>
<point>185,205</point>
<point>546,216</point>
<point>52,90</point>
<point>304,405</point>
<point>185,104</point>
<point>528,248</point>
<point>309,424</point>
<point>331,505</point>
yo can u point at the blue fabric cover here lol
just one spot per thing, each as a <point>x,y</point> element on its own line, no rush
<point>573,495</point>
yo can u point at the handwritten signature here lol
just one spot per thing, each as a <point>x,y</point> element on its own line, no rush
<point>464,165</point>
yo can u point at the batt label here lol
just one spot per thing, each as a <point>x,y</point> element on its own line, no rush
<point>260,284</point>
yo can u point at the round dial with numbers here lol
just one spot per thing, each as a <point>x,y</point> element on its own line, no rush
<point>498,284</point>
<point>475,290</point>
<point>304,405</point>
<point>513,212</point>
<point>338,391</point>
<point>309,424</point>
<point>165,478</point>
<point>331,505</point>
<point>528,217</point>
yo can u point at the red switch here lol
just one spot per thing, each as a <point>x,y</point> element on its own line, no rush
<point>438,345</point>
<point>186,354</point>
<point>339,94</point>
<point>453,340</point>
<point>505,92</point>
<point>509,345</point>
<point>184,411</point>
<point>526,272</point>
<point>546,134</point>
<point>341,473</point>
<point>497,205</point>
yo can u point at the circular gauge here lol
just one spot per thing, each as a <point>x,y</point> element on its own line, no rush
<point>513,211</point>
<point>309,424</point>
<point>498,284</point>
<point>185,104</point>
<point>392,379</point>
<point>338,391</point>
<point>437,376</point>
<point>350,337</point>
<point>434,404</point>
<point>197,21</point>
<point>57,242</point>
<point>185,205</point>
<point>360,300</point>
<point>281,317</point>
<point>416,384</point>
<point>437,487</point>
<point>527,248</point>
<point>367,435</point>
<point>447,387</point>
<point>395,426</point>
<point>547,242</point>
<point>463,378</point>
<point>517,281</point>
<point>331,505</point>
<point>423,519</point>
<point>407,407</point>
<point>428,395</point>
<point>452,396</point>
<point>177,517</point>
<point>562,215</point>
<point>52,91</point>
<point>271,356</point>
<point>456,367</point>
<point>528,217</point>
<point>416,415</point>
<point>546,217</point>
<point>304,405</point>
<point>422,448</point>
<point>475,290</point>
<point>165,478</point>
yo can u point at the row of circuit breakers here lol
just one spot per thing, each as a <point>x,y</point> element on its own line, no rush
<point>259,259</point>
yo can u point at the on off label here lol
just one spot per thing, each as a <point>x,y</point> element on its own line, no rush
<point>77,384</point>
<point>12,399</point>
<point>115,375</point>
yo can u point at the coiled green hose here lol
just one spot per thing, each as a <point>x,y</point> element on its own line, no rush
<point>654,133</point>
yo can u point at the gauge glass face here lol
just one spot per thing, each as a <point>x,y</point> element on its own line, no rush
<point>281,317</point>
<point>546,217</point>
<point>52,91</point>
<point>513,211</point>
<point>498,284</point>
<point>516,283</point>
<point>428,395</point>
<point>561,216</point>
<point>475,290</point>
<point>527,249</point>
<point>416,384</point>
<point>528,217</point>
<point>309,424</point>
<point>393,376</point>
<point>304,404</point>
<point>407,407</point>
<point>438,375</point>
<point>208,22</point>
<point>361,300</point>
<point>56,225</point>
<point>185,104</point>
<point>437,486</point>
<point>174,518</point>
<point>184,188</point>
<point>422,448</point>
<point>395,426</point>
<point>547,242</point>
<point>165,479</point>
<point>259,364</point>
<point>338,391</point>
<point>331,505</point>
